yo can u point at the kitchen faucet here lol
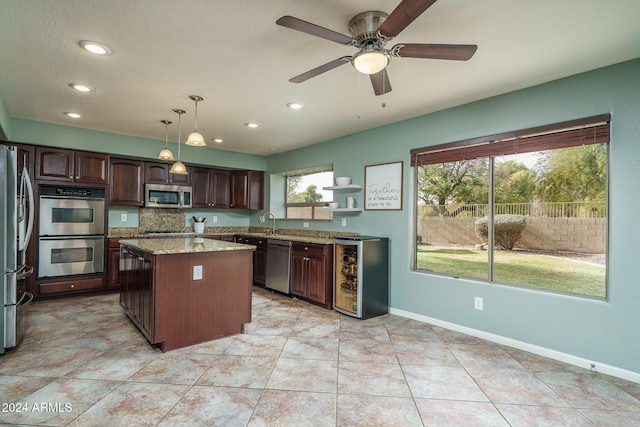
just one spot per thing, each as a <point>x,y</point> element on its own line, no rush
<point>263,218</point>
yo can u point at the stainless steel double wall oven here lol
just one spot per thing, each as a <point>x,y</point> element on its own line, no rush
<point>71,231</point>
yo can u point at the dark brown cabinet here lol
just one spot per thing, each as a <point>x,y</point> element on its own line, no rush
<point>127,182</point>
<point>159,173</point>
<point>220,189</point>
<point>174,310</point>
<point>311,272</point>
<point>91,168</point>
<point>136,289</point>
<point>210,188</point>
<point>259,257</point>
<point>201,187</point>
<point>247,190</point>
<point>55,164</point>
<point>113,264</point>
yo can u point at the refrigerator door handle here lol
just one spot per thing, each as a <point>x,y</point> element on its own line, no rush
<point>25,184</point>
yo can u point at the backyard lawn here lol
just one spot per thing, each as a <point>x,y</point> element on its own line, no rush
<point>517,267</point>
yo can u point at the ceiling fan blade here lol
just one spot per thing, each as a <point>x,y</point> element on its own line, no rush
<point>380,82</point>
<point>403,15</point>
<point>321,69</point>
<point>456,52</point>
<point>313,29</point>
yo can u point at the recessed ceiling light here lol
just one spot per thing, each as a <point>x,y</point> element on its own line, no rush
<point>252,125</point>
<point>295,105</point>
<point>81,87</point>
<point>218,140</point>
<point>95,47</point>
<point>73,115</point>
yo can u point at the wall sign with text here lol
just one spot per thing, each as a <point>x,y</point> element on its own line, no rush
<point>383,186</point>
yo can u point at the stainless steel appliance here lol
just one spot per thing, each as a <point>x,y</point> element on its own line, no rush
<point>278,263</point>
<point>361,276</point>
<point>71,231</point>
<point>16,199</point>
<point>167,196</point>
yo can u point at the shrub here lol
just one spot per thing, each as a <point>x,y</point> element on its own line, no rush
<point>507,229</point>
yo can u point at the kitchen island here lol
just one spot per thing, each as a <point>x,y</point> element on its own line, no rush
<point>184,291</point>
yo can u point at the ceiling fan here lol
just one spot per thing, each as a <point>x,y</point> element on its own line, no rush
<point>370,32</point>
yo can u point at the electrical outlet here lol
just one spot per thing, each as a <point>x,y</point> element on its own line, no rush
<point>123,217</point>
<point>344,222</point>
<point>215,218</point>
<point>478,303</point>
<point>197,272</point>
<point>305,224</point>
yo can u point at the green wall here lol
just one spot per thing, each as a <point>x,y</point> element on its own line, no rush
<point>604,332</point>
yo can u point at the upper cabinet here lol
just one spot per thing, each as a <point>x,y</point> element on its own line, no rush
<point>247,190</point>
<point>126,182</point>
<point>210,188</point>
<point>55,164</point>
<point>159,173</point>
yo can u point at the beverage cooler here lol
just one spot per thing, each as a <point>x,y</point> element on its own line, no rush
<point>361,276</point>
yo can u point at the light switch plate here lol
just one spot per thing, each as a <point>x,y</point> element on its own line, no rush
<point>344,222</point>
<point>197,272</point>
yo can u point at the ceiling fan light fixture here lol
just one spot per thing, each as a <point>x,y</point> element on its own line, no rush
<point>195,138</point>
<point>370,61</point>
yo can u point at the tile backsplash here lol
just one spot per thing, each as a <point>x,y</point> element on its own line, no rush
<point>162,219</point>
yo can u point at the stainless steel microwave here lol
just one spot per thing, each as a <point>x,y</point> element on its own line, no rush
<point>167,196</point>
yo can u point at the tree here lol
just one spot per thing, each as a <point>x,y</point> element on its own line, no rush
<point>292,185</point>
<point>514,182</point>
<point>574,174</point>
<point>463,181</point>
<point>311,195</point>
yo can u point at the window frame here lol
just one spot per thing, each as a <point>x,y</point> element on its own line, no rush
<point>592,130</point>
<point>312,205</point>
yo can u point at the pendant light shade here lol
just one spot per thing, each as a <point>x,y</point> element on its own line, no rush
<point>179,167</point>
<point>165,153</point>
<point>195,138</point>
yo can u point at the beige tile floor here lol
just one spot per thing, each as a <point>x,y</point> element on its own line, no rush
<point>82,363</point>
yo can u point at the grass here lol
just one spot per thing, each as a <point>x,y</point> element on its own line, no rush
<point>519,268</point>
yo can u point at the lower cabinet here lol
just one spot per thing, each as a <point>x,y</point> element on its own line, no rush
<point>312,272</point>
<point>136,289</point>
<point>259,257</point>
<point>113,261</point>
<point>70,285</point>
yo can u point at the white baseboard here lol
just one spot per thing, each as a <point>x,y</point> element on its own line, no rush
<point>521,345</point>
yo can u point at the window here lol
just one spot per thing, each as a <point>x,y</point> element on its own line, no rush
<point>527,208</point>
<point>305,197</point>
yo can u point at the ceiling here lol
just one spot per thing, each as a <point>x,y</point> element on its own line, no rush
<point>234,55</point>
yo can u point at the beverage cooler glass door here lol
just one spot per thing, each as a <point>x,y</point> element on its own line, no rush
<point>348,273</point>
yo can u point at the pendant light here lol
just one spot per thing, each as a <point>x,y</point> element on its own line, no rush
<point>179,167</point>
<point>165,153</point>
<point>195,138</point>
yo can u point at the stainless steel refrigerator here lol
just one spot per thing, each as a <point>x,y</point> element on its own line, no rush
<point>16,222</point>
<point>361,276</point>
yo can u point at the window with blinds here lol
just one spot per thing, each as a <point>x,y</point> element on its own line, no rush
<point>526,208</point>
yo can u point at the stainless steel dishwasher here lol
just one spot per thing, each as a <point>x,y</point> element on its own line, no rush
<point>278,263</point>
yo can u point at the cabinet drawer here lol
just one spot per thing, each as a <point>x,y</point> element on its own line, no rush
<point>71,286</point>
<point>309,248</point>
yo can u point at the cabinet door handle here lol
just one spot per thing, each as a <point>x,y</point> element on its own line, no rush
<point>72,286</point>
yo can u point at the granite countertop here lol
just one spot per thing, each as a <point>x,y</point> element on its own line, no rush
<point>302,236</point>
<point>293,238</point>
<point>183,245</point>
